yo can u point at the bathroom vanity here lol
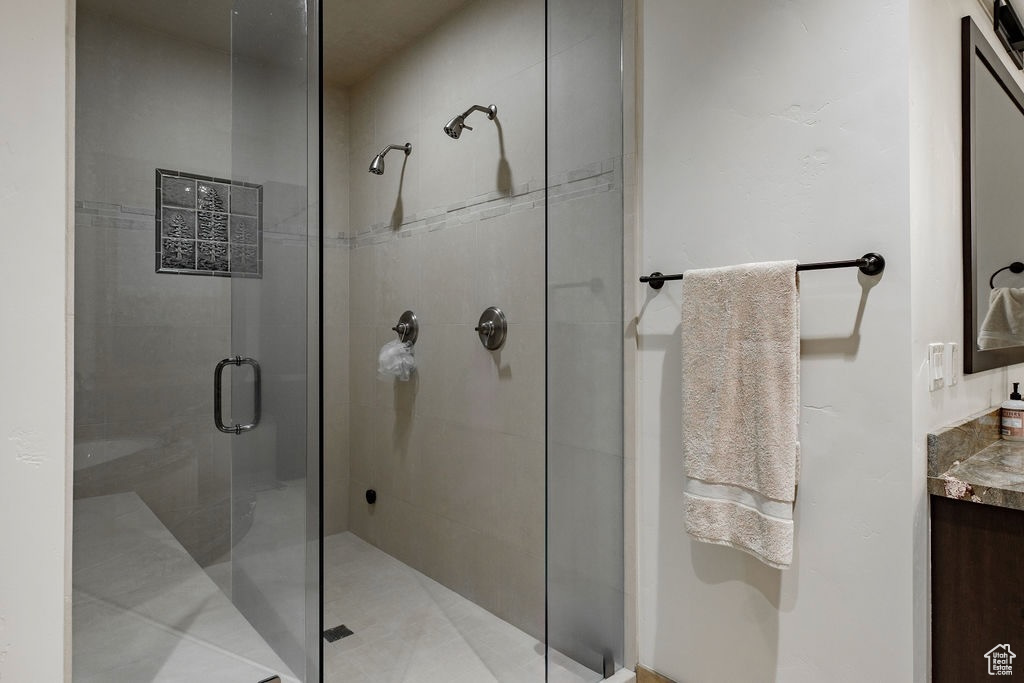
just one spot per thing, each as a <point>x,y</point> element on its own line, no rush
<point>976,482</point>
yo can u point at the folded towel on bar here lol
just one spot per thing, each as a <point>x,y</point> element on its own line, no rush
<point>741,406</point>
<point>1004,323</point>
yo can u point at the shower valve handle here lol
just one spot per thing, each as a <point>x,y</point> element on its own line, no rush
<point>492,328</point>
<point>407,328</point>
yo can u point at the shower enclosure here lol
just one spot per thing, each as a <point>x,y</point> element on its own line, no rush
<point>462,518</point>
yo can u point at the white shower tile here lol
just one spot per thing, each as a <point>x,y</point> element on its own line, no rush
<point>362,461</point>
<point>409,628</point>
<point>509,266</point>
<point>448,178</point>
<point>363,352</point>
<point>451,273</point>
<point>363,187</point>
<point>585,133</point>
<point>587,380</point>
<point>397,279</point>
<point>520,102</point>
<point>136,586</point>
<point>522,495</point>
<point>396,194</point>
<point>585,259</point>
<point>362,123</point>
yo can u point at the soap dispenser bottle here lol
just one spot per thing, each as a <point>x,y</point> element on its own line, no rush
<point>1011,416</point>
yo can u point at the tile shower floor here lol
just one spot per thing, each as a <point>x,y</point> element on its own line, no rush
<point>145,611</point>
<point>407,628</point>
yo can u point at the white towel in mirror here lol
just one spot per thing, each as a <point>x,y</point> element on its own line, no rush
<point>1004,322</point>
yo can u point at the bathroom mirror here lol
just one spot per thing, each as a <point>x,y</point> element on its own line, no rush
<point>993,207</point>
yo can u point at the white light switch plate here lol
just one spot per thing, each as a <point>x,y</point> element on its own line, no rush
<point>952,363</point>
<point>936,366</point>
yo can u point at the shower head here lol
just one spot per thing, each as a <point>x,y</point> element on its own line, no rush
<point>454,127</point>
<point>377,165</point>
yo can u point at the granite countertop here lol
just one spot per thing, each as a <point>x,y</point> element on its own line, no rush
<point>969,461</point>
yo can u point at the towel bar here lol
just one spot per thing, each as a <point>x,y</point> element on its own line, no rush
<point>1015,267</point>
<point>869,264</point>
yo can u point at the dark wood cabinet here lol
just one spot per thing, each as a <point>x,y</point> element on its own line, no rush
<point>977,555</point>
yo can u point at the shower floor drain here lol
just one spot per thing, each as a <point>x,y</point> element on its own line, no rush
<point>337,633</point>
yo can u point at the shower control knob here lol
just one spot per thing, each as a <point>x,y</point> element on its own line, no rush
<point>492,328</point>
<point>371,496</point>
<point>408,328</point>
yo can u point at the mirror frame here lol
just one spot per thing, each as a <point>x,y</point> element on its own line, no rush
<point>977,51</point>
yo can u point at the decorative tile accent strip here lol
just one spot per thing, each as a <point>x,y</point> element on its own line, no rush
<point>245,222</point>
<point>584,182</point>
<point>208,226</point>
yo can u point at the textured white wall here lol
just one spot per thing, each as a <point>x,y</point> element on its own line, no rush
<point>36,319</point>
<point>777,130</point>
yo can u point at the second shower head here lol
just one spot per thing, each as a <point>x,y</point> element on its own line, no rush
<point>455,127</point>
<point>377,165</point>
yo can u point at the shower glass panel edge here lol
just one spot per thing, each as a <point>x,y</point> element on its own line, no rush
<point>585,522</point>
<point>275,319</point>
<point>314,365</point>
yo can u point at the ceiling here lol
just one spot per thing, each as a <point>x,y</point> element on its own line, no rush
<point>358,34</point>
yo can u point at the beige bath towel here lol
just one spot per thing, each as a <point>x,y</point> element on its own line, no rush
<point>1004,322</point>
<point>741,406</point>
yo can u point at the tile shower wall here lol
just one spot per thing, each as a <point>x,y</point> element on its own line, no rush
<point>457,454</point>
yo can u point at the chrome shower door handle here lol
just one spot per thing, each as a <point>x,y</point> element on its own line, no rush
<point>218,412</point>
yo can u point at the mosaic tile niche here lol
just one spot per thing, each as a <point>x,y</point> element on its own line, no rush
<point>208,226</point>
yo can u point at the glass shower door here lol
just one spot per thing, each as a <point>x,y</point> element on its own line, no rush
<point>274,254</point>
<point>196,490</point>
